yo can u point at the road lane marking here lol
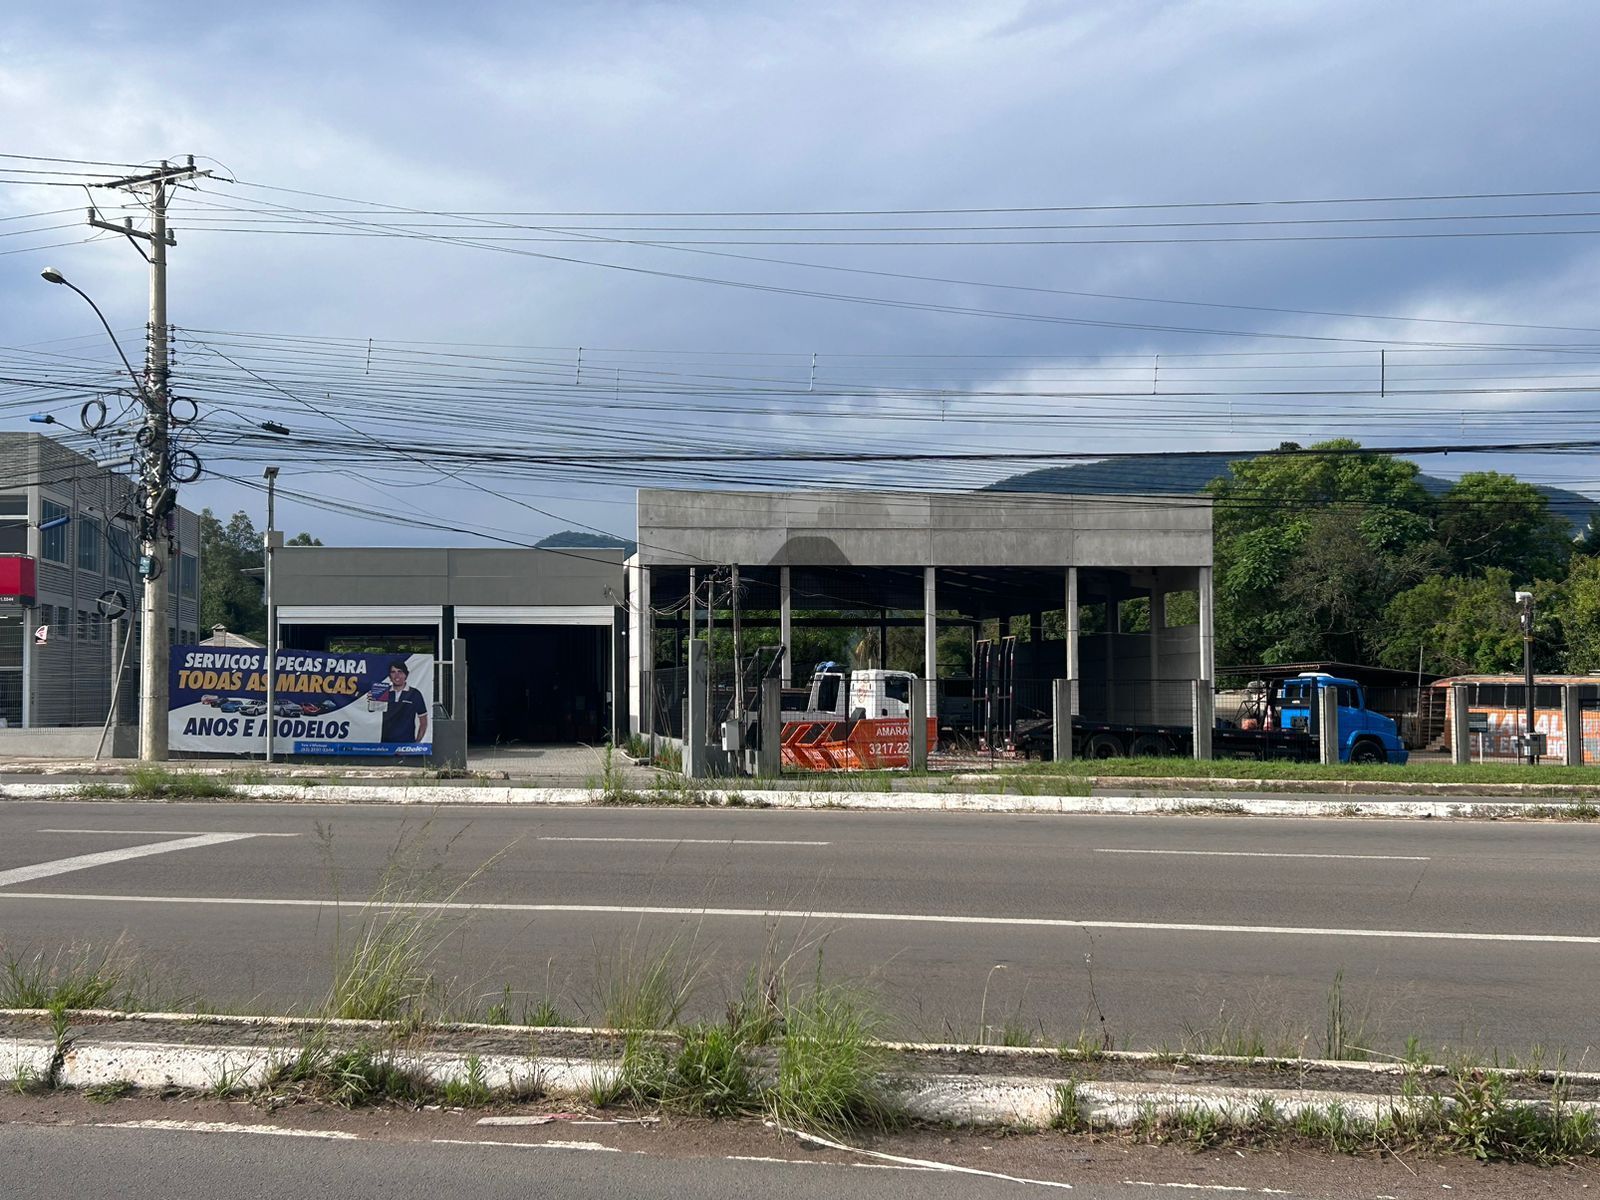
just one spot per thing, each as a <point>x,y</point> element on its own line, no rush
<point>82,862</point>
<point>333,1135</point>
<point>1271,854</point>
<point>904,1163</point>
<point>802,914</point>
<point>173,832</point>
<point>1207,1187</point>
<point>688,841</point>
<point>592,1147</point>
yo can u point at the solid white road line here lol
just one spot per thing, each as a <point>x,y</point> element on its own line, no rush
<point>801,914</point>
<point>689,841</point>
<point>1207,1187</point>
<point>333,1135</point>
<point>82,862</point>
<point>1270,854</point>
<point>594,1147</point>
<point>173,832</point>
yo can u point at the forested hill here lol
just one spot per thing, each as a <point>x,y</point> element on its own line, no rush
<point>1163,474</point>
<point>575,539</point>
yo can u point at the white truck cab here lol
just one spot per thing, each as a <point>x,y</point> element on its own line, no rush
<point>852,695</point>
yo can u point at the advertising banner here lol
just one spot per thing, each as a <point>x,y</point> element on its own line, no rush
<point>359,704</point>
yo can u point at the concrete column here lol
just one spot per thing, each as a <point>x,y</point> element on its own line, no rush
<point>1113,626</point>
<point>1204,709</point>
<point>930,637</point>
<point>647,658</point>
<point>27,666</point>
<point>1158,621</point>
<point>769,760</point>
<point>635,664</point>
<point>786,625</point>
<point>919,724</point>
<point>1073,666</point>
<point>695,738</point>
<point>1208,636</point>
<point>1460,738</point>
<point>1061,719</point>
<point>620,677</point>
<point>1572,720</point>
<point>1328,725</point>
<point>458,680</point>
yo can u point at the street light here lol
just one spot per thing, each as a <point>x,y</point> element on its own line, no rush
<point>270,542</point>
<point>51,275</point>
<point>161,497</point>
<point>1525,616</point>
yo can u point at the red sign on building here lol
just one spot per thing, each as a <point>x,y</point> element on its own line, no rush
<point>17,584</point>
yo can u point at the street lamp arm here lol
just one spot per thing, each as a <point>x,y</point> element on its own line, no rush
<point>55,276</point>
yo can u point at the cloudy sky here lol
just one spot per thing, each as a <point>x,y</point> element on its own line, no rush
<point>474,194</point>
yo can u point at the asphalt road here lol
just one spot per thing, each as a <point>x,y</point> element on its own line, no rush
<point>78,1163</point>
<point>1176,929</point>
<point>145,1149</point>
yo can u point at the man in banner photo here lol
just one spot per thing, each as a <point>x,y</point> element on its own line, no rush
<point>405,712</point>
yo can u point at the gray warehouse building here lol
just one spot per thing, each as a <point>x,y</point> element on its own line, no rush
<point>948,558</point>
<point>579,645</point>
<point>541,627</point>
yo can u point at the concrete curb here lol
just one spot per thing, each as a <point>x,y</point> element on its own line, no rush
<point>968,1100</point>
<point>445,794</point>
<point>971,1099</point>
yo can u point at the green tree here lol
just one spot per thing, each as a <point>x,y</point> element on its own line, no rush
<point>1588,541</point>
<point>1458,626</point>
<point>227,595</point>
<point>1488,520</point>
<point>1309,548</point>
<point>1576,605</point>
<point>231,559</point>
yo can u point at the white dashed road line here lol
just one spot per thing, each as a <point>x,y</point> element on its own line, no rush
<point>688,841</point>
<point>1270,854</point>
<point>801,914</point>
<point>332,1135</point>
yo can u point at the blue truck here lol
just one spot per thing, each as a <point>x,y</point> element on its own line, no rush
<point>1286,730</point>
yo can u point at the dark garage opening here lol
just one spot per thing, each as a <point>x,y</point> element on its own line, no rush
<point>537,683</point>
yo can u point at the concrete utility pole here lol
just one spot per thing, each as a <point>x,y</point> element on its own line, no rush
<point>159,493</point>
<point>1525,615</point>
<point>271,540</point>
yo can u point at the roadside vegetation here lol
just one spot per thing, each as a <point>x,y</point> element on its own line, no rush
<point>1238,768</point>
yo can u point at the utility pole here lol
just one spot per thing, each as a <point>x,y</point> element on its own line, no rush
<point>159,493</point>
<point>271,540</point>
<point>1525,615</point>
<point>738,655</point>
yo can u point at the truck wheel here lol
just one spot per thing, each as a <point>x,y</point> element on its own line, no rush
<point>1103,745</point>
<point>1150,745</point>
<point>1367,752</point>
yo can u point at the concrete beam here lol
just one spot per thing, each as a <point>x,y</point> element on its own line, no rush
<point>930,630</point>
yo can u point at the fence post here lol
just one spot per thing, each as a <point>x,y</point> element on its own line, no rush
<point>1328,726</point>
<point>1061,718</point>
<point>1203,706</point>
<point>770,753</point>
<point>919,725</point>
<point>1572,719</point>
<point>694,714</point>
<point>1460,743</point>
